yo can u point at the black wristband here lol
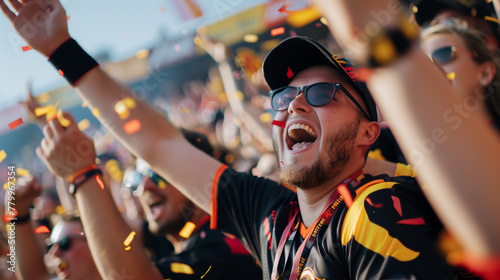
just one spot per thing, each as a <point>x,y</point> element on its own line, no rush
<point>72,60</point>
<point>23,219</point>
<point>82,178</point>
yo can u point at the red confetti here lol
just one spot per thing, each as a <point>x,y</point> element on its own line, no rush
<point>318,24</point>
<point>99,181</point>
<point>61,73</point>
<point>277,31</point>
<point>282,163</point>
<point>490,122</point>
<point>15,123</point>
<point>397,205</point>
<point>41,229</point>
<point>293,33</point>
<point>26,48</point>
<point>161,9</point>
<point>415,221</point>
<point>284,7</point>
<point>376,205</point>
<point>67,18</point>
<point>364,74</point>
<point>346,194</point>
<point>7,217</point>
<point>289,73</point>
<point>279,123</point>
<point>132,126</point>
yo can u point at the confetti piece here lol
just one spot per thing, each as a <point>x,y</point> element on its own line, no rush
<point>323,21</point>
<point>186,111</point>
<point>15,123</point>
<point>177,47</point>
<point>6,185</point>
<point>26,48</point>
<point>415,221</point>
<point>162,184</point>
<point>488,18</point>
<point>62,120</point>
<point>44,97</point>
<point>161,9</point>
<point>9,216</point>
<point>284,7</point>
<point>250,38</point>
<point>60,210</point>
<point>22,172</point>
<point>293,33</point>
<point>61,73</point>
<point>40,111</point>
<point>277,31</point>
<point>289,73</point>
<point>397,205</point>
<point>279,123</point>
<point>229,158</point>
<point>450,76</point>
<point>282,163</point>
<point>99,181</point>
<point>376,205</point>
<point>122,107</point>
<point>85,103</point>
<point>318,24</point>
<point>96,112</point>
<point>83,124</point>
<point>129,238</point>
<point>132,126</point>
<point>346,194</point>
<point>3,155</point>
<point>127,248</point>
<point>490,122</point>
<point>238,122</point>
<point>67,18</point>
<point>181,268</point>
<point>240,95</point>
<point>266,117</point>
<point>187,230</point>
<point>41,229</point>
<point>141,54</point>
<point>205,273</point>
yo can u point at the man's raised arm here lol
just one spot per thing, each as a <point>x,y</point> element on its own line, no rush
<point>157,141</point>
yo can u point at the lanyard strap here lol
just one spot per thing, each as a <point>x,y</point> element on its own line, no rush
<point>301,256</point>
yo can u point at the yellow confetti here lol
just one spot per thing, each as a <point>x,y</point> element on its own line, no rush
<point>162,184</point>
<point>85,104</point>
<point>22,172</point>
<point>487,18</point>
<point>60,210</point>
<point>64,122</point>
<point>44,97</point>
<point>238,122</point>
<point>450,76</point>
<point>415,9</point>
<point>181,268</point>
<point>206,272</point>
<point>127,248</point>
<point>141,54</point>
<point>250,38</point>
<point>187,230</point>
<point>323,21</point>
<point>185,110</point>
<point>240,95</point>
<point>266,117</point>
<point>122,107</point>
<point>95,112</point>
<point>129,239</point>
<point>40,111</point>
<point>83,124</point>
<point>3,155</point>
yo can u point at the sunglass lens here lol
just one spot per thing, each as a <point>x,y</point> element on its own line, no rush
<point>282,98</point>
<point>65,243</point>
<point>442,55</point>
<point>320,94</point>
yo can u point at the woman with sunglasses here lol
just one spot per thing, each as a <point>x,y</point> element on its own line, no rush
<point>472,67</point>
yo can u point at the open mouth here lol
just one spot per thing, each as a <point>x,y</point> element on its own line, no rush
<point>300,136</point>
<point>157,206</point>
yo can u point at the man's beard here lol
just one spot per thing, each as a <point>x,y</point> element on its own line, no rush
<point>340,148</point>
<point>174,226</point>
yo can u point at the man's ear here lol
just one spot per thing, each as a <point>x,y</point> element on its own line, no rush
<point>369,132</point>
<point>487,73</point>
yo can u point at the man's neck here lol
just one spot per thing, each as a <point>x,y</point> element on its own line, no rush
<point>176,239</point>
<point>313,201</point>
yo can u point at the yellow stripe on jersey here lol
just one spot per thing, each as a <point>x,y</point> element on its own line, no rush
<point>372,236</point>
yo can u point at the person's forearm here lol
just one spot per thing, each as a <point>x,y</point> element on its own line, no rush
<point>29,256</point>
<point>456,153</point>
<point>106,233</point>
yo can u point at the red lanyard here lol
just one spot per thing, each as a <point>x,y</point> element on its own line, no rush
<point>302,254</point>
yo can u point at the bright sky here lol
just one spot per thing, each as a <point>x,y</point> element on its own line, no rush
<point>121,26</point>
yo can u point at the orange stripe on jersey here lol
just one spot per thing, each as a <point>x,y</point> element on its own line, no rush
<point>213,201</point>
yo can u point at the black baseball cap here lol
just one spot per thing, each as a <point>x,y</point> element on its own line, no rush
<point>295,54</point>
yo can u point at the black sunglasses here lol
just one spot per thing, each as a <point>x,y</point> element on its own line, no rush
<point>65,243</point>
<point>446,54</point>
<point>133,179</point>
<point>318,94</point>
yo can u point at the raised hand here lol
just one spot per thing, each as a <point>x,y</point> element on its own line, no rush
<point>65,150</point>
<point>41,23</point>
<point>217,50</point>
<point>27,189</point>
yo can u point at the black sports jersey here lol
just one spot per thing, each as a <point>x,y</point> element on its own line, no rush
<point>210,254</point>
<point>389,231</point>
